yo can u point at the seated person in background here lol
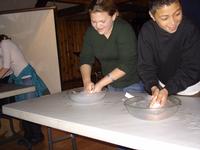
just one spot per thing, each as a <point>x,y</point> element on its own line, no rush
<point>5,130</point>
<point>112,41</point>
<point>5,77</point>
<point>23,74</point>
<point>169,52</point>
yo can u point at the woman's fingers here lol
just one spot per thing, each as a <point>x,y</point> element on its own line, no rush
<point>89,87</point>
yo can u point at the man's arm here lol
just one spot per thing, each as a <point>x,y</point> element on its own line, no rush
<point>147,68</point>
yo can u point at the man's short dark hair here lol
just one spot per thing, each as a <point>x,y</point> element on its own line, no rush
<point>155,4</point>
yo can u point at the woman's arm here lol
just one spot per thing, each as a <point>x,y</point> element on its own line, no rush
<point>86,77</point>
<point>109,78</point>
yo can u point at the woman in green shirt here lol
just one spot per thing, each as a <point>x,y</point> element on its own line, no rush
<point>113,42</point>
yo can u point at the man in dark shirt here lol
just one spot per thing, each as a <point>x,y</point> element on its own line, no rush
<point>169,52</point>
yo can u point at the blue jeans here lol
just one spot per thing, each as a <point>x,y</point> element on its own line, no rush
<point>31,130</point>
<point>136,87</point>
<point>28,81</point>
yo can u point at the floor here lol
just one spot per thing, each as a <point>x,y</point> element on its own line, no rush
<point>83,143</point>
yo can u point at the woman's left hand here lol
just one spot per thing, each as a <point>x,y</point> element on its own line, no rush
<point>97,87</point>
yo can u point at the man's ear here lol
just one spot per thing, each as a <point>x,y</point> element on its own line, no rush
<point>151,15</point>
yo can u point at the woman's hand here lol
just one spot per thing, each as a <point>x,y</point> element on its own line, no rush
<point>158,96</point>
<point>89,87</point>
<point>98,87</point>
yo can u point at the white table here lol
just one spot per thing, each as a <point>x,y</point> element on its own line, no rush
<point>8,90</point>
<point>110,121</point>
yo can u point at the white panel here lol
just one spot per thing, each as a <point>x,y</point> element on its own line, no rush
<point>34,32</point>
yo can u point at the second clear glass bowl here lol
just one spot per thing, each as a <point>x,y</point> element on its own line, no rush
<point>138,106</point>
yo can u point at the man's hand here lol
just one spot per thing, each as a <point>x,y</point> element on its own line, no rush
<point>158,96</point>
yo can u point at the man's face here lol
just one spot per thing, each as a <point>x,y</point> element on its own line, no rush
<point>168,17</point>
<point>102,22</point>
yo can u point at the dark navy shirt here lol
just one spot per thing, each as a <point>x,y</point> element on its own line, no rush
<point>172,58</point>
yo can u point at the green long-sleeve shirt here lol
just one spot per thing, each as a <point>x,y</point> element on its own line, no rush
<point>118,51</point>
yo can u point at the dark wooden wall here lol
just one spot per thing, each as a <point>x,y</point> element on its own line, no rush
<point>70,38</point>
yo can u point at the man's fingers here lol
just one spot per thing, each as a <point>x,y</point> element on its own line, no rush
<point>153,101</point>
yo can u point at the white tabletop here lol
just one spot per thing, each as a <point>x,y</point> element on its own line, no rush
<point>8,90</point>
<point>110,121</point>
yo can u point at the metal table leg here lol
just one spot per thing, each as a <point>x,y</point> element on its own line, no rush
<point>51,141</point>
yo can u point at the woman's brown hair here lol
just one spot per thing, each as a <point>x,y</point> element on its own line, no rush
<point>103,5</point>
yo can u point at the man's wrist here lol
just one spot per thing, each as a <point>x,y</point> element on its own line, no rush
<point>165,91</point>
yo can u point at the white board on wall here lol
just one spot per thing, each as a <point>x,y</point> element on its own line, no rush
<point>34,32</point>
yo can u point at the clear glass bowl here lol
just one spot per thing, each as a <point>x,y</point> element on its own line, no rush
<point>79,96</point>
<point>138,106</point>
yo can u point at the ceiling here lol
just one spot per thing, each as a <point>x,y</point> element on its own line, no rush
<point>80,6</point>
<point>82,1</point>
<point>71,8</point>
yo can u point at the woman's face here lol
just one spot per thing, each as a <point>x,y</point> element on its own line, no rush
<point>168,17</point>
<point>102,22</point>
